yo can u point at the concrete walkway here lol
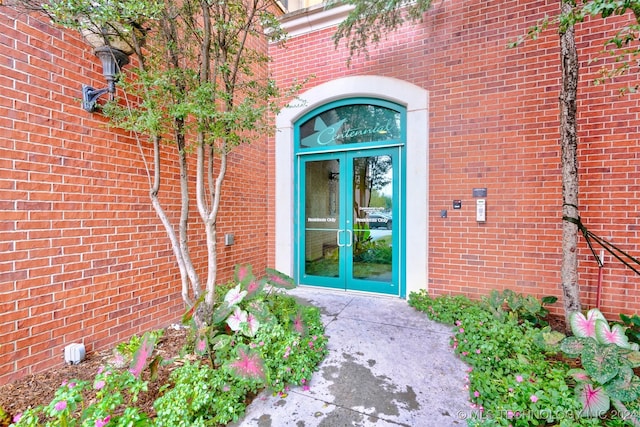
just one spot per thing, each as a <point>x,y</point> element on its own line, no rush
<point>388,365</point>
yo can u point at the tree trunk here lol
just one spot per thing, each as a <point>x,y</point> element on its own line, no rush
<point>175,242</point>
<point>569,145</point>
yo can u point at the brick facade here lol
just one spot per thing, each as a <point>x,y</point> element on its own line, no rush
<point>494,120</point>
<point>83,256</point>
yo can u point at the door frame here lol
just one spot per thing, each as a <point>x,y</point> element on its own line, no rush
<point>416,101</point>
<point>346,222</point>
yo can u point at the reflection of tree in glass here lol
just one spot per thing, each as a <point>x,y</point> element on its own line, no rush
<point>369,173</point>
<point>379,198</point>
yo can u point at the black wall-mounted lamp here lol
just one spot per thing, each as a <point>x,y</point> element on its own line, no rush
<point>112,61</point>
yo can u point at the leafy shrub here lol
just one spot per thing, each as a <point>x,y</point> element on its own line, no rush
<point>200,395</point>
<point>523,307</point>
<point>374,252</point>
<point>255,338</point>
<point>292,349</point>
<point>511,380</point>
<point>444,309</point>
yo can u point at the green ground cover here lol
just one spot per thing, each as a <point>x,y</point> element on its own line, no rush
<point>524,373</point>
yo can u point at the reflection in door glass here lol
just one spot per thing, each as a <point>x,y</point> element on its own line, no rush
<point>322,206</point>
<point>372,213</point>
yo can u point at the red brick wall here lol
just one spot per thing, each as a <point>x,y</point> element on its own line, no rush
<point>494,123</point>
<point>83,257</point>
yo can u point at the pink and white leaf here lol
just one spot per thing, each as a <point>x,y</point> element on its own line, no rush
<point>248,364</point>
<point>253,288</point>
<point>201,345</point>
<point>595,400</point>
<point>298,324</point>
<point>279,279</point>
<point>234,296</point>
<point>243,273</point>
<point>142,354</point>
<point>236,319</point>
<point>252,325</point>
<point>607,335</point>
<point>585,326</point>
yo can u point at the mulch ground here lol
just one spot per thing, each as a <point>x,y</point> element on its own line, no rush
<point>38,389</point>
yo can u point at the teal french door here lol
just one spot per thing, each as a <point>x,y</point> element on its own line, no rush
<point>349,228</point>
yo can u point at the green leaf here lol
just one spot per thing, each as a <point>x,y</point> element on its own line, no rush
<point>220,342</point>
<point>549,300</point>
<point>188,315</point>
<point>221,313</point>
<point>514,300</point>
<point>633,357</point>
<point>369,20</point>
<point>495,299</point>
<point>532,305</point>
<point>548,339</point>
<point>574,346</point>
<point>153,367</point>
<point>601,362</point>
<point>625,387</point>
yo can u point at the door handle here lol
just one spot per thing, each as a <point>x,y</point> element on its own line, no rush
<point>350,238</point>
<point>338,238</point>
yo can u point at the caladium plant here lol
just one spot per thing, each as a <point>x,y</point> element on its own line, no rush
<point>608,360</point>
<point>613,335</point>
<point>142,354</point>
<point>241,310</point>
<point>595,402</point>
<point>252,286</point>
<point>279,280</point>
<point>585,326</point>
<point>633,326</point>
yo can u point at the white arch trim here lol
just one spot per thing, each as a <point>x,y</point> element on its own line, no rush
<point>416,101</point>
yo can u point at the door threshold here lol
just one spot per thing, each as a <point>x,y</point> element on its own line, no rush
<point>347,291</point>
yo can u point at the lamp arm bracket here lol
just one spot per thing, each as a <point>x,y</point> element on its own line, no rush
<point>90,97</point>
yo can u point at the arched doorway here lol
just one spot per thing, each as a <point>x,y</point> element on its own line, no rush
<point>414,101</point>
<point>349,173</point>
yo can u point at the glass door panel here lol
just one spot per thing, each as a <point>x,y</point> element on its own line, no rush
<point>348,235</point>
<point>373,254</point>
<point>324,234</point>
<point>373,214</point>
